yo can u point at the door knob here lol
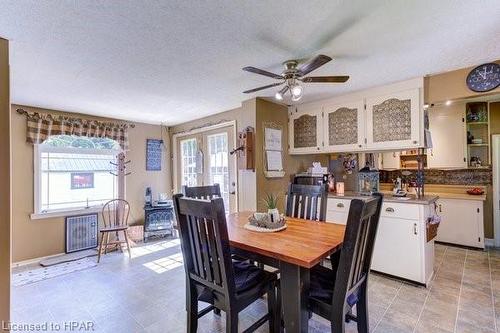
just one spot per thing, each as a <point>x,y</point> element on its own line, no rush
<point>232,192</point>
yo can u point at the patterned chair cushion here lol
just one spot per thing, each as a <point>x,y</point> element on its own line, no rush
<point>323,282</point>
<point>246,276</point>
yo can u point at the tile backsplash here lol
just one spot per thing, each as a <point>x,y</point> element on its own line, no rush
<point>482,176</point>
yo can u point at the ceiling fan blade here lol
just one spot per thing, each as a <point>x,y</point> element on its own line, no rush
<point>262,88</point>
<point>262,72</point>
<point>314,63</point>
<point>326,79</point>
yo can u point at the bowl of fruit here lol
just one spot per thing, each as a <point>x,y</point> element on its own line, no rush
<point>475,191</point>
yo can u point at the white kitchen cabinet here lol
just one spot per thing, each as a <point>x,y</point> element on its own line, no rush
<point>344,126</point>
<point>395,120</point>
<point>305,130</point>
<point>401,247</point>
<point>389,117</point>
<point>447,126</point>
<point>461,222</point>
<point>337,210</point>
<point>390,160</point>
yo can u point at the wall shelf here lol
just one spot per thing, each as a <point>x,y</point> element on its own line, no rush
<point>478,127</point>
<point>477,123</point>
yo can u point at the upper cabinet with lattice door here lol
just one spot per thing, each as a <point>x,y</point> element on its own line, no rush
<point>394,121</point>
<point>387,118</point>
<point>344,126</point>
<point>305,130</point>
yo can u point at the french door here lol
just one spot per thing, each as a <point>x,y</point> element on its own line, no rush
<point>204,159</point>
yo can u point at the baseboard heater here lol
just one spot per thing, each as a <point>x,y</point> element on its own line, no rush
<point>81,232</point>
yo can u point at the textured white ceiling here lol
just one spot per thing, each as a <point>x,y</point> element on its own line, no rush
<point>173,61</point>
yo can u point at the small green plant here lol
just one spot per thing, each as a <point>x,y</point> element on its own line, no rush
<point>271,201</point>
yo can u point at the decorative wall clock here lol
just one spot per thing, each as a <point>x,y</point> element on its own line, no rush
<point>484,77</point>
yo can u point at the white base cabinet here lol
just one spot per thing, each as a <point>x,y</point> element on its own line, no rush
<point>461,222</point>
<point>401,247</point>
<point>337,210</point>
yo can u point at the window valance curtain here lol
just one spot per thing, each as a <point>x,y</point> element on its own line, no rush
<point>39,126</point>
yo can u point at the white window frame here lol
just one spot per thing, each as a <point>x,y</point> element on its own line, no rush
<point>38,149</point>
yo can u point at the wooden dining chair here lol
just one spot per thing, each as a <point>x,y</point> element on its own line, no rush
<point>334,292</point>
<point>115,215</point>
<point>211,274</point>
<point>303,200</point>
<point>202,192</point>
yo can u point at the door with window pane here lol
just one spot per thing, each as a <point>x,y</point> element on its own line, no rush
<point>217,165</point>
<point>189,173</point>
<point>204,159</point>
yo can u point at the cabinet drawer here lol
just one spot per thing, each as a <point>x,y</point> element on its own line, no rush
<point>400,210</point>
<point>338,205</point>
<point>336,217</point>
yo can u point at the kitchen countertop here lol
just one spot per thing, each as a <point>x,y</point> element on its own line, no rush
<point>446,191</point>
<point>462,196</point>
<point>426,200</point>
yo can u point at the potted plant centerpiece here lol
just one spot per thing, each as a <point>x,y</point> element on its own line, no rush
<point>271,201</point>
<point>270,221</point>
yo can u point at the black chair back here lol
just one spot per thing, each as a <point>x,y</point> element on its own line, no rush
<point>302,201</point>
<point>202,192</point>
<point>357,249</point>
<point>205,242</point>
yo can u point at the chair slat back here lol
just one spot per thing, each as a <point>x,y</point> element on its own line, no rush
<point>303,202</point>
<point>115,213</point>
<point>202,192</point>
<point>357,248</point>
<point>205,242</point>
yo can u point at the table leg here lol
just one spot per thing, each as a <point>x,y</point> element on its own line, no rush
<point>294,295</point>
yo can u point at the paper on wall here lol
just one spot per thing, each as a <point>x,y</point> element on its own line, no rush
<point>274,161</point>
<point>272,139</point>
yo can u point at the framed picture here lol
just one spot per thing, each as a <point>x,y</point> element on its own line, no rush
<point>80,180</point>
<point>153,154</point>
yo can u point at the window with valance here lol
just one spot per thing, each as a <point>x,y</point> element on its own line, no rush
<point>74,162</point>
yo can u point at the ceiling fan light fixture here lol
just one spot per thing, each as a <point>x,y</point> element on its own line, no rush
<point>297,91</point>
<point>280,94</point>
<point>296,98</point>
<point>294,75</point>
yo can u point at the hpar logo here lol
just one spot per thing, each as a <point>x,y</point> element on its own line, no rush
<point>77,326</point>
<point>71,326</point>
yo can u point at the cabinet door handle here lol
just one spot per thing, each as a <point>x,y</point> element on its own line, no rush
<point>360,146</point>
<point>340,205</point>
<point>415,228</point>
<point>389,209</point>
<point>440,208</point>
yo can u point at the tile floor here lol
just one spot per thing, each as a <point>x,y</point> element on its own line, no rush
<point>146,294</point>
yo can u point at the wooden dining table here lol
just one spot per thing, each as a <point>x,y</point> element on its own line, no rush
<point>295,250</point>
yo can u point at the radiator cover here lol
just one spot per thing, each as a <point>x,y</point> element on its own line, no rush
<point>81,232</point>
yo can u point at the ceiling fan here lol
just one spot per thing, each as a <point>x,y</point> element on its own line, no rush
<point>292,75</point>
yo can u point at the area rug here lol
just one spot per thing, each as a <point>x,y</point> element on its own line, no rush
<point>44,273</point>
<point>68,257</point>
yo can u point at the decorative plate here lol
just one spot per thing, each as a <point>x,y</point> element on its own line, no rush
<point>261,222</point>
<point>251,227</point>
